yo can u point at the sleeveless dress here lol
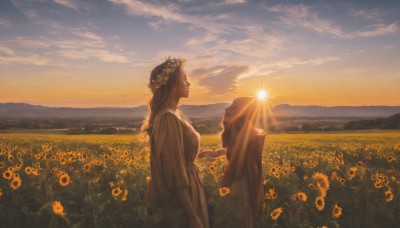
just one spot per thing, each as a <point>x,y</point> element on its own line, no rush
<point>174,146</point>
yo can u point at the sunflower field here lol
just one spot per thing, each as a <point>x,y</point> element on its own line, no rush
<point>310,180</point>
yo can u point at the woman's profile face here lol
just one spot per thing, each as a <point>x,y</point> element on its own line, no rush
<point>233,110</point>
<point>183,85</point>
<point>239,107</point>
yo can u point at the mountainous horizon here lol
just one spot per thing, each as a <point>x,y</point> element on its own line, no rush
<point>26,110</point>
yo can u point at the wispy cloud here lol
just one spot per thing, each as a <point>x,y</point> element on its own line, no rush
<point>377,30</point>
<point>269,68</point>
<point>80,44</point>
<point>219,79</point>
<point>4,22</point>
<point>67,3</point>
<point>27,59</point>
<point>75,4</point>
<point>10,56</point>
<point>230,2</point>
<point>258,44</point>
<point>305,17</point>
<point>173,13</point>
<point>302,16</point>
<point>102,55</point>
<point>6,51</point>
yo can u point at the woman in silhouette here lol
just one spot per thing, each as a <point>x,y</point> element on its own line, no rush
<point>242,142</point>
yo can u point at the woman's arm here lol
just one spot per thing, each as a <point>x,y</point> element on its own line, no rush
<point>184,199</point>
<point>212,153</point>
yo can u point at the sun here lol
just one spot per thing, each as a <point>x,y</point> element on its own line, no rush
<point>262,94</point>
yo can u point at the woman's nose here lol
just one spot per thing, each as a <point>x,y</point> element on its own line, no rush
<point>188,83</point>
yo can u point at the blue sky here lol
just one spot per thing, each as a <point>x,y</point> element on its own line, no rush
<point>91,53</point>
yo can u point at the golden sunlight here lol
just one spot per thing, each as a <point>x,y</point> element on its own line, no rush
<point>262,94</point>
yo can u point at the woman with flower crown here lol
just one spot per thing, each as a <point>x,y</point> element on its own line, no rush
<point>175,185</point>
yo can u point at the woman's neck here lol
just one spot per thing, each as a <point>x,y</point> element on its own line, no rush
<point>172,104</point>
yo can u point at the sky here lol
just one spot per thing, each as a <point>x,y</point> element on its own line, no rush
<point>99,53</point>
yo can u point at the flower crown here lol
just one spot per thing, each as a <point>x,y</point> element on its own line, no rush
<point>171,64</point>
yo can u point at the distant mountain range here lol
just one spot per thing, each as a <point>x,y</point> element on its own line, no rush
<point>24,110</point>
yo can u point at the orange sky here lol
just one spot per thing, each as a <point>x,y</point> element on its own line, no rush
<point>317,53</point>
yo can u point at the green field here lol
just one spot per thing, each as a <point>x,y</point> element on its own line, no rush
<point>346,180</point>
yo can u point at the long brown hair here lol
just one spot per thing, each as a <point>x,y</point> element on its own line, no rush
<point>238,133</point>
<point>160,96</point>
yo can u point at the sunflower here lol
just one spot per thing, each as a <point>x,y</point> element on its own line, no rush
<point>337,211</point>
<point>389,195</point>
<point>58,209</point>
<point>271,194</point>
<point>386,182</point>
<point>7,175</point>
<point>301,196</point>
<point>10,158</point>
<point>224,191</point>
<point>378,184</point>
<point>64,179</point>
<point>265,182</point>
<point>213,167</point>
<point>320,203</point>
<point>1,165</point>
<point>352,172</point>
<point>124,194</point>
<point>333,175</point>
<point>276,213</point>
<point>15,183</point>
<point>28,170</point>
<point>86,167</point>
<point>116,192</point>
<point>323,182</point>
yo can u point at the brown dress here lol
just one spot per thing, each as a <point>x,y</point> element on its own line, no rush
<point>174,146</point>
<point>239,203</point>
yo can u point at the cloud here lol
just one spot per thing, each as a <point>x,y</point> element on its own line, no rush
<point>378,30</point>
<point>270,68</point>
<point>170,12</point>
<point>167,12</point>
<point>83,44</point>
<point>254,45</point>
<point>67,3</point>
<point>26,59</point>
<point>219,79</point>
<point>10,56</point>
<point>6,51</point>
<point>76,5</point>
<point>4,22</point>
<point>303,16</point>
<point>102,55</point>
<point>230,2</point>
